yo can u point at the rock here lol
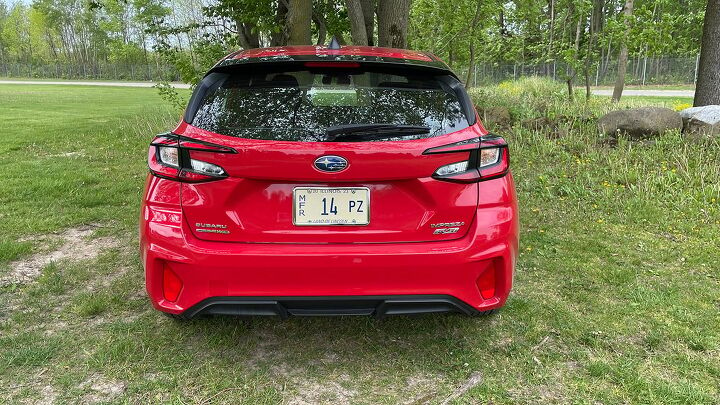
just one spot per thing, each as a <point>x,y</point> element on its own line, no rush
<point>499,116</point>
<point>640,123</point>
<point>704,120</point>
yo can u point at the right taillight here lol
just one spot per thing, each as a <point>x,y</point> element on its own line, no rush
<point>488,158</point>
<point>493,157</point>
<point>486,283</point>
<point>170,157</point>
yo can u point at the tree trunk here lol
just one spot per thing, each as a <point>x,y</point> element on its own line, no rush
<point>358,31</point>
<point>279,38</point>
<point>595,27</point>
<point>471,65</point>
<point>569,83</point>
<point>393,23</point>
<point>368,8</point>
<point>248,35</point>
<point>321,25</point>
<point>572,73</point>
<point>606,62</point>
<point>707,91</point>
<point>552,29</point>
<point>475,22</point>
<point>504,32</point>
<point>623,58</point>
<point>299,17</point>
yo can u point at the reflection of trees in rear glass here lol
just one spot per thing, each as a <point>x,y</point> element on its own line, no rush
<point>288,113</point>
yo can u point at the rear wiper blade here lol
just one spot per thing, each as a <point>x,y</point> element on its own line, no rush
<point>363,132</point>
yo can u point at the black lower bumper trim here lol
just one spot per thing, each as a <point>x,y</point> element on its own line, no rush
<point>367,305</point>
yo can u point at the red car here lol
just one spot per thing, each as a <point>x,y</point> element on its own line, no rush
<point>313,180</point>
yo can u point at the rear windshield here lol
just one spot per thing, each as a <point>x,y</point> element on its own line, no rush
<point>301,104</point>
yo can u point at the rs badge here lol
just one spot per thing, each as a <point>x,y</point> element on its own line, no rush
<point>443,231</point>
<point>444,228</point>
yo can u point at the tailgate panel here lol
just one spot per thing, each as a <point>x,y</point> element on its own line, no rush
<point>255,203</point>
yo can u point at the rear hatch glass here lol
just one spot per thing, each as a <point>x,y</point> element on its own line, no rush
<point>300,105</point>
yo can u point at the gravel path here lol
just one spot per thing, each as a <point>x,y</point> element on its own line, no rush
<point>653,93</point>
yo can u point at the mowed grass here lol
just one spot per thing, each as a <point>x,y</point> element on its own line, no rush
<point>71,156</point>
<point>617,294</point>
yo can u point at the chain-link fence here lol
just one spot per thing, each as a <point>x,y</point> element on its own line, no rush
<point>100,71</point>
<point>640,71</point>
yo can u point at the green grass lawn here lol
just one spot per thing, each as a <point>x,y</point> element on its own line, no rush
<point>617,294</point>
<point>59,79</point>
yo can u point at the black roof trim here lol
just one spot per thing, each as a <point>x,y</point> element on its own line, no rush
<point>231,61</point>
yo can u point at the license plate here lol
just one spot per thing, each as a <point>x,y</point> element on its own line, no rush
<point>331,206</point>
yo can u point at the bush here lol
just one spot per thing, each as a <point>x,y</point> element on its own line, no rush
<point>541,99</point>
<point>560,155</point>
<point>526,98</point>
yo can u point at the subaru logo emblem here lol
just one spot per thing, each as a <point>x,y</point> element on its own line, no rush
<point>331,163</point>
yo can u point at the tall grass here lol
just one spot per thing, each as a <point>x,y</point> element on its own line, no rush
<point>655,182</point>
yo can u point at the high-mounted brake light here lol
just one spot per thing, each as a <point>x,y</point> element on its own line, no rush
<point>488,158</point>
<point>170,157</point>
<point>332,64</point>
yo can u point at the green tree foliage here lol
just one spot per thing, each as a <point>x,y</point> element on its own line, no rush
<point>582,36</point>
<point>78,32</point>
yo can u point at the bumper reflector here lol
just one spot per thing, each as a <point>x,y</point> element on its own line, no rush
<point>172,285</point>
<point>486,283</point>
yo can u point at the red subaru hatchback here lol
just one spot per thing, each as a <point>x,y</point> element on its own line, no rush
<point>316,180</point>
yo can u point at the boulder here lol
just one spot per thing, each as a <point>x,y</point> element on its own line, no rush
<point>705,120</point>
<point>640,123</point>
<point>499,116</point>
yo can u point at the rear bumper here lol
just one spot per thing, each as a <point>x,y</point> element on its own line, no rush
<point>378,306</point>
<point>330,279</point>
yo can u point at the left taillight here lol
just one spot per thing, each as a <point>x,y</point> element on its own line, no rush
<point>489,158</point>
<point>172,284</point>
<point>171,157</point>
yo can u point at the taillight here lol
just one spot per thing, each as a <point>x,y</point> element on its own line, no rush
<point>172,285</point>
<point>486,283</point>
<point>488,158</point>
<point>493,157</point>
<point>171,157</point>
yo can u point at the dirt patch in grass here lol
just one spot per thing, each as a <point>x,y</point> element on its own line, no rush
<point>48,394</point>
<point>102,389</point>
<point>475,379</point>
<point>423,389</point>
<point>331,392</point>
<point>73,154</point>
<point>73,244</point>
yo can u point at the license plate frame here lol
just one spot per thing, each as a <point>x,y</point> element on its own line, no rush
<point>320,190</point>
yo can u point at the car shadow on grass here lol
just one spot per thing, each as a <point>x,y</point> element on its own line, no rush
<point>419,356</point>
<point>427,340</point>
